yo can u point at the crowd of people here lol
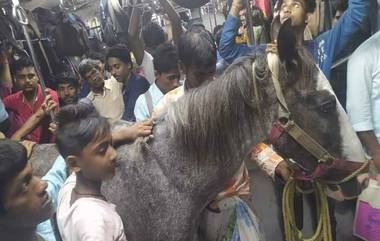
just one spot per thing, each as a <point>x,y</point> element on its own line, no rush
<point>136,83</point>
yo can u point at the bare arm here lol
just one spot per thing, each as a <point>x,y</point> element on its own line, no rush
<point>48,106</point>
<point>131,133</point>
<point>369,140</point>
<point>174,18</point>
<point>5,75</point>
<point>135,42</point>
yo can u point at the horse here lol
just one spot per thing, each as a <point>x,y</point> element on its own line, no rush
<point>163,184</point>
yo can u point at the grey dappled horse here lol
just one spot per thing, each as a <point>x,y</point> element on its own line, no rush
<point>164,183</point>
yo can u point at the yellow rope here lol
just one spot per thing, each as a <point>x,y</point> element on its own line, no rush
<point>292,233</point>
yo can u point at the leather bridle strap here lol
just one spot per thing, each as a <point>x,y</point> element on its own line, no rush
<point>288,125</point>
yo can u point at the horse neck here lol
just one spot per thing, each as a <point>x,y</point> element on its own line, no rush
<point>218,122</point>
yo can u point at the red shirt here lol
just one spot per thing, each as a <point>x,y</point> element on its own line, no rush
<point>20,111</point>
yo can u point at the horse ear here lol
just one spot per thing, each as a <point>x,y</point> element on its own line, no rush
<point>286,44</point>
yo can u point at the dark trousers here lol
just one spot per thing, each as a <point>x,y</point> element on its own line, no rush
<point>298,207</point>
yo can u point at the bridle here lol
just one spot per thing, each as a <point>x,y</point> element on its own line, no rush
<point>285,124</point>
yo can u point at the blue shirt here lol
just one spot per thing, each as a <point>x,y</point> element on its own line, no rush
<point>325,48</point>
<point>3,112</point>
<point>55,178</point>
<point>135,86</point>
<point>141,108</point>
<point>363,87</point>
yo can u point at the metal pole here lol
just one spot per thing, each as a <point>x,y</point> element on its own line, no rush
<point>248,16</point>
<point>20,15</point>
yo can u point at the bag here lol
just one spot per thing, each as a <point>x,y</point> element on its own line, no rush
<point>367,217</point>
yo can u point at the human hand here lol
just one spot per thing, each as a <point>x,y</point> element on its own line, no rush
<point>53,127</point>
<point>49,105</point>
<point>29,145</point>
<point>283,171</point>
<point>141,129</point>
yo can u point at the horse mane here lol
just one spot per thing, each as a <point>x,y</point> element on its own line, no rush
<point>211,122</point>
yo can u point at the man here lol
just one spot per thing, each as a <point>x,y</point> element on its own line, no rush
<point>133,85</point>
<point>68,90</point>
<point>363,88</point>
<point>26,200</point>
<point>24,103</point>
<point>165,59</point>
<point>197,56</point>
<point>143,45</point>
<point>325,48</point>
<point>105,95</point>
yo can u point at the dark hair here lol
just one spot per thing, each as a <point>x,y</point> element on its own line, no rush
<point>78,125</point>
<point>258,18</point>
<point>21,63</point>
<point>121,52</point>
<point>197,48</point>
<point>86,65</point>
<point>13,156</point>
<point>341,5</point>
<point>96,56</point>
<point>310,5</point>
<point>66,78</point>
<point>153,35</point>
<point>165,58</point>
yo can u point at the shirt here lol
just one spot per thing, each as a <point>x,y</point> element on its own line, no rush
<point>21,111</point>
<point>141,108</point>
<point>110,103</point>
<point>363,87</point>
<point>325,48</point>
<point>88,218</point>
<point>133,88</point>
<point>147,67</point>
<point>55,178</point>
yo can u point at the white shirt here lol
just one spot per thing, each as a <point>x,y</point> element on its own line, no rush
<point>109,104</point>
<point>148,67</point>
<point>87,219</point>
<point>363,87</point>
<point>141,107</point>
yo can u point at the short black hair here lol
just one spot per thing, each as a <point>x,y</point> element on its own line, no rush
<point>78,125</point>
<point>197,48</point>
<point>121,52</point>
<point>66,78</point>
<point>96,56</point>
<point>153,35</point>
<point>165,58</point>
<point>86,65</point>
<point>19,64</point>
<point>13,156</point>
<point>310,5</point>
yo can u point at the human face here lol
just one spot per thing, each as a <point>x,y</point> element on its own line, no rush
<point>169,80</point>
<point>26,200</point>
<point>27,80</point>
<point>295,10</point>
<point>119,70</point>
<point>242,17</point>
<point>196,77</point>
<point>95,78</point>
<point>97,161</point>
<point>67,93</point>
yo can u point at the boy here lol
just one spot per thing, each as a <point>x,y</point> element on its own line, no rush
<point>84,139</point>
<point>166,65</point>
<point>120,65</point>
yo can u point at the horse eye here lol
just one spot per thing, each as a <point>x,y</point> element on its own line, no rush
<point>328,106</point>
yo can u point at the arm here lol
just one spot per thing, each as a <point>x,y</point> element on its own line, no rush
<point>174,18</point>
<point>49,105</point>
<point>5,75</point>
<point>369,139</point>
<point>131,133</point>
<point>136,44</point>
<point>336,39</point>
<point>228,48</point>
<point>55,178</point>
